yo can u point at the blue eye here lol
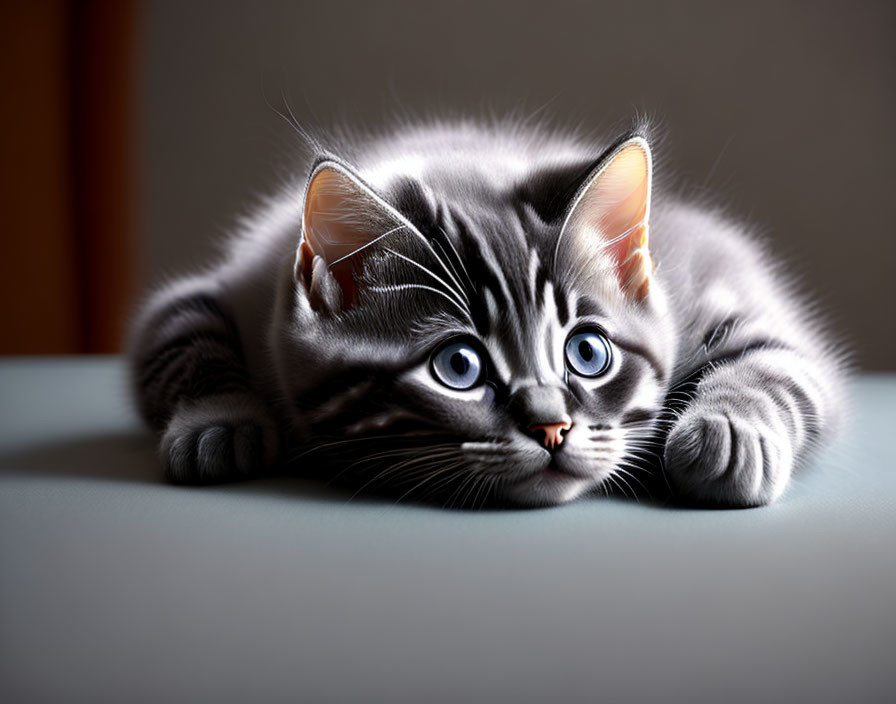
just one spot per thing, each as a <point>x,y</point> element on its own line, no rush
<point>457,365</point>
<point>588,352</point>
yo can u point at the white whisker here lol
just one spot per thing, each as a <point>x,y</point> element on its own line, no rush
<point>396,288</point>
<point>365,246</point>
<point>460,295</point>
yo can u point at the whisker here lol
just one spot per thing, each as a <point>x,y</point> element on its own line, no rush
<point>459,259</point>
<point>455,276</point>
<point>420,460</point>
<point>365,246</point>
<point>459,488</point>
<point>397,288</point>
<point>632,476</point>
<point>460,295</point>
<point>613,478</point>
<point>428,477</point>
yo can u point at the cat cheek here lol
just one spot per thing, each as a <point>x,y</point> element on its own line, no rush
<point>585,387</point>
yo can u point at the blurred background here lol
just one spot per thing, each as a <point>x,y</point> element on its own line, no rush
<point>133,133</point>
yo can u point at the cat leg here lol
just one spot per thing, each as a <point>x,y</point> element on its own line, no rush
<point>749,419</point>
<point>193,387</point>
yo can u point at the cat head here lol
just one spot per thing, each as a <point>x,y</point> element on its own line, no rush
<point>457,338</point>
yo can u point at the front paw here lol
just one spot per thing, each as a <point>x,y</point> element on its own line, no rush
<point>220,438</point>
<point>726,457</point>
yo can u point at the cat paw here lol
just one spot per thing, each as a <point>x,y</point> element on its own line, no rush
<point>724,457</point>
<point>217,439</point>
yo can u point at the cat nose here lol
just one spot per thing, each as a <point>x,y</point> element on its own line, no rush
<point>551,433</point>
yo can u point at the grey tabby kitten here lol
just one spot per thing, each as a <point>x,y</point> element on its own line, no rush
<point>466,314</point>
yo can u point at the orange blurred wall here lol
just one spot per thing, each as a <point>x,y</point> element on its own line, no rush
<point>65,175</point>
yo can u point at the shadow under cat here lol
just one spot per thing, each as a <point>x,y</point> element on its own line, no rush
<point>131,457</point>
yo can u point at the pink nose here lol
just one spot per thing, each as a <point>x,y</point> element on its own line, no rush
<point>553,432</point>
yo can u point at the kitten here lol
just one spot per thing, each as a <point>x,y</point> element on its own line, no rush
<point>463,313</point>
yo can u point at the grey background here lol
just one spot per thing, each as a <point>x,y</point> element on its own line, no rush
<point>784,110</point>
<point>118,587</point>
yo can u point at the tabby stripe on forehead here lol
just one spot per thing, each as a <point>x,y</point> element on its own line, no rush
<point>561,301</point>
<point>441,238</point>
<point>488,277</point>
<point>541,282</point>
<point>589,306</point>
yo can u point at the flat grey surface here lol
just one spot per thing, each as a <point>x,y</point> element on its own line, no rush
<point>117,587</point>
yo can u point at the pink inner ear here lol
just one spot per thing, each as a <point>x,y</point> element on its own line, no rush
<point>619,196</point>
<point>616,204</point>
<point>335,227</point>
<point>624,221</point>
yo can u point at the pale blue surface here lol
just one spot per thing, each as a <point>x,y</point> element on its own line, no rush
<point>117,587</point>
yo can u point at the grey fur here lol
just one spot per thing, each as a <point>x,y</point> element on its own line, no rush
<point>721,373</point>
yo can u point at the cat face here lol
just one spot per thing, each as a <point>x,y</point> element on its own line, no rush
<point>462,343</point>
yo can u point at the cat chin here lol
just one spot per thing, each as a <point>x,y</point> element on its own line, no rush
<point>547,489</point>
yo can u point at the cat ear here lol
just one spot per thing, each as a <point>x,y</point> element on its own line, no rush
<point>612,210</point>
<point>342,217</point>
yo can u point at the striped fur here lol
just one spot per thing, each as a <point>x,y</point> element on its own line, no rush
<point>721,382</point>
